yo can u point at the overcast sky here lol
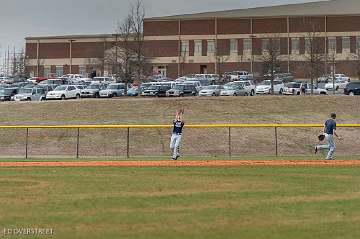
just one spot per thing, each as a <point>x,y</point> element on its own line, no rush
<point>21,18</point>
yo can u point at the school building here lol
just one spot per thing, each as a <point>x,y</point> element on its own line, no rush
<point>218,42</point>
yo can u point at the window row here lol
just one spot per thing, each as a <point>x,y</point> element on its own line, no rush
<point>59,71</point>
<point>309,45</point>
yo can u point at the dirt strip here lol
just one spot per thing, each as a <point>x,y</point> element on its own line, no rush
<point>182,163</point>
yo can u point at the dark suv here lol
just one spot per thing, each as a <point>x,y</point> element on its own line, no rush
<point>353,88</point>
<point>7,93</point>
<point>156,90</point>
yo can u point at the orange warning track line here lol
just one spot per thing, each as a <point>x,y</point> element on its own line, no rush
<point>183,163</point>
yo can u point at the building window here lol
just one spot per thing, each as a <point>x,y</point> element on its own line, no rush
<point>357,43</point>
<point>346,43</point>
<point>198,47</point>
<point>308,45</point>
<point>184,46</point>
<point>332,43</point>
<point>234,45</point>
<point>247,45</point>
<point>211,46</point>
<point>47,71</point>
<point>59,71</point>
<point>265,43</point>
<point>295,45</point>
<point>82,71</point>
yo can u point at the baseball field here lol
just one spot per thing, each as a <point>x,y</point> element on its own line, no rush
<point>241,197</point>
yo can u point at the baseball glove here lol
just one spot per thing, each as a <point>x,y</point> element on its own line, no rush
<point>321,137</point>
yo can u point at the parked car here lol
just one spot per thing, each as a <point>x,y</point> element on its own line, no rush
<point>7,93</point>
<point>92,90</point>
<point>265,87</point>
<point>295,88</point>
<point>317,90</point>
<point>100,80</point>
<point>156,90</point>
<point>144,86</point>
<point>211,90</point>
<point>231,89</point>
<point>30,94</point>
<point>134,91</point>
<point>181,90</point>
<point>64,92</point>
<point>353,88</point>
<point>113,90</point>
<point>239,75</point>
<point>285,77</point>
<point>48,87</point>
<point>339,77</point>
<point>249,86</point>
<point>338,84</point>
<point>52,82</point>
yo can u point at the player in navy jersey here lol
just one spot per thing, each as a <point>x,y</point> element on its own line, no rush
<point>177,134</point>
<point>329,132</point>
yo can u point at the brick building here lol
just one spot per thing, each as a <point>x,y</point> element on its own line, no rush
<point>216,42</point>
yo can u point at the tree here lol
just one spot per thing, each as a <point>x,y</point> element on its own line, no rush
<point>271,58</point>
<point>138,16</point>
<point>127,57</point>
<point>314,54</point>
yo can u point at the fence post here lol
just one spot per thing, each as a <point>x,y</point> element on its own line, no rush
<point>26,143</point>
<point>128,143</point>
<point>229,141</point>
<point>276,142</point>
<point>77,143</point>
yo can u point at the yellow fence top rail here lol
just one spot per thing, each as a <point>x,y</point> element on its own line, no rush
<point>169,126</point>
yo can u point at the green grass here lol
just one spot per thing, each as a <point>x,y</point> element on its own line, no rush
<point>198,202</point>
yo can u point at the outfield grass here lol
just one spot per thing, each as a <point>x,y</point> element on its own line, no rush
<point>207,202</point>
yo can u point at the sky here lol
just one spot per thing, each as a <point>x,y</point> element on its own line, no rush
<point>22,18</point>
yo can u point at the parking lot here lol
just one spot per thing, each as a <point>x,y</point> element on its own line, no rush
<point>197,85</point>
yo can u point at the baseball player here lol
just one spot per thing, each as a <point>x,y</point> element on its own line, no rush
<point>329,132</point>
<point>176,134</point>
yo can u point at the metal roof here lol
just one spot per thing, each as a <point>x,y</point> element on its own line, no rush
<point>319,8</point>
<point>71,36</point>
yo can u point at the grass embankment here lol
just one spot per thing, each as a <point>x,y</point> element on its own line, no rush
<point>154,142</point>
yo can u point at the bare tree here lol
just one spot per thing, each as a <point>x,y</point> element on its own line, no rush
<point>271,58</point>
<point>138,16</point>
<point>314,53</point>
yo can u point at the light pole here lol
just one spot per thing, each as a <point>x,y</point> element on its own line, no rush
<point>252,37</point>
<point>71,41</point>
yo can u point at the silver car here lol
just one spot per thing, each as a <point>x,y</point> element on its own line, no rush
<point>30,94</point>
<point>212,90</point>
<point>113,90</point>
<point>233,90</point>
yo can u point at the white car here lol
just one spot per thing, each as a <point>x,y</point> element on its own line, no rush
<point>211,90</point>
<point>339,84</point>
<point>100,80</point>
<point>265,87</point>
<point>240,75</point>
<point>295,88</point>
<point>64,92</point>
<point>248,85</point>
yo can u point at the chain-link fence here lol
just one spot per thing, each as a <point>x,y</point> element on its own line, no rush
<point>153,141</point>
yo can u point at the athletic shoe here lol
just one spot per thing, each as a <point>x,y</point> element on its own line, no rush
<point>174,159</point>
<point>178,156</point>
<point>316,150</point>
